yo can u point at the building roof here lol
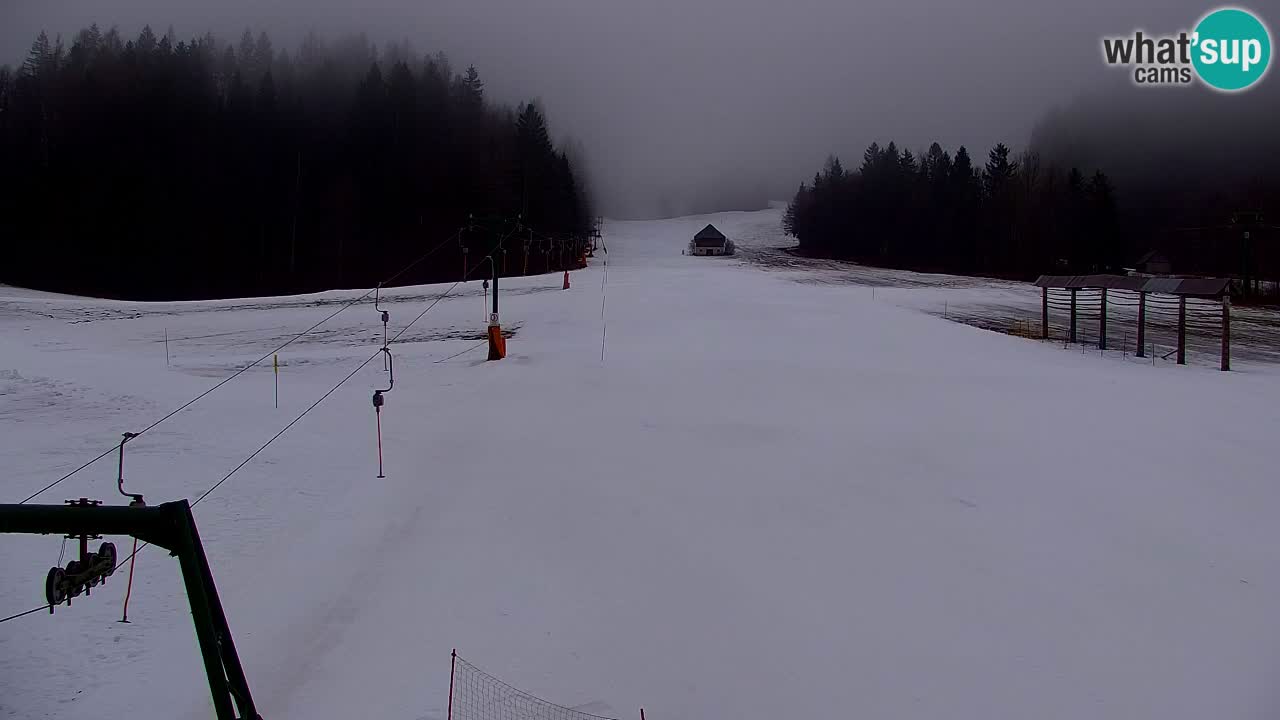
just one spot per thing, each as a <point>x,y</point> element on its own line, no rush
<point>1079,282</point>
<point>1192,287</point>
<point>1153,256</point>
<point>1196,287</point>
<point>709,233</point>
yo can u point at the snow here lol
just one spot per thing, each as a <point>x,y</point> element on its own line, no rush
<point>774,498</point>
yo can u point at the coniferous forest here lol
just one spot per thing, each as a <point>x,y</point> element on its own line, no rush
<point>164,168</point>
<point>1009,217</point>
<point>1040,213</point>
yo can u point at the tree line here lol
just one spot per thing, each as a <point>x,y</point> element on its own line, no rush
<point>158,168</point>
<point>1012,217</point>
<point>1205,208</point>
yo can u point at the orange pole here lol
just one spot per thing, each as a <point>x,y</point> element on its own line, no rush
<point>378,415</point>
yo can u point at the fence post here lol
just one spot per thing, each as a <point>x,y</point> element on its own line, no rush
<point>1044,313</point>
<point>1182,329</point>
<point>1102,323</point>
<point>1072,336</point>
<point>1226,332</point>
<point>1142,322</point>
<point>453,660</point>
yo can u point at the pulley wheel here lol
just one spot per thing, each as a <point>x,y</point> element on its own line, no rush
<point>72,572</point>
<point>107,553</point>
<point>53,591</point>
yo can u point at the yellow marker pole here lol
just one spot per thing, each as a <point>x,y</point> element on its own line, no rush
<point>275,366</point>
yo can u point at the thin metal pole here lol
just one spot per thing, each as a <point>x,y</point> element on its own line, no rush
<point>604,324</point>
<point>1044,313</point>
<point>1182,330</point>
<point>1142,322</point>
<point>1226,332</point>
<point>1102,323</point>
<point>1072,336</point>
<point>453,661</point>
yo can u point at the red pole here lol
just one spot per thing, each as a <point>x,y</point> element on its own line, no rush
<point>641,713</point>
<point>378,415</point>
<point>453,660</point>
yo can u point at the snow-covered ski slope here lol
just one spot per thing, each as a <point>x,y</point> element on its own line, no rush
<point>773,499</point>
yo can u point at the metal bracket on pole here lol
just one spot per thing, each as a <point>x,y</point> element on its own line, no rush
<point>386,317</point>
<point>135,499</point>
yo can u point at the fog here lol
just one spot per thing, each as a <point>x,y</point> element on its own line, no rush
<point>703,105</point>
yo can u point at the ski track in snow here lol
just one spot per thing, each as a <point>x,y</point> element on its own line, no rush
<point>779,496</point>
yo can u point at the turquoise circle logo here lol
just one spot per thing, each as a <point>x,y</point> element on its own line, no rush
<point>1232,49</point>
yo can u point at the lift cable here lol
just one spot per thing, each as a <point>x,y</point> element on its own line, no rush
<point>284,429</point>
<point>325,396</point>
<point>244,369</point>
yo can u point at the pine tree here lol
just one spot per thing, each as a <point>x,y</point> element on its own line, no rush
<point>870,159</point>
<point>962,168</point>
<point>147,42</point>
<point>531,132</point>
<point>246,57</point>
<point>111,42</point>
<point>473,84</point>
<point>833,171</point>
<point>40,59</point>
<point>999,171</point>
<point>907,163</point>
<point>262,54</point>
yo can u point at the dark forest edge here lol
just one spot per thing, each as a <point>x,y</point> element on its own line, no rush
<point>1018,218</point>
<point>938,213</point>
<point>157,168</point>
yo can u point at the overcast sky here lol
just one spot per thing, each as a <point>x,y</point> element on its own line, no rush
<point>675,100</point>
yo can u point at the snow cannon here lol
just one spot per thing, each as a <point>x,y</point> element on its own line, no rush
<point>497,343</point>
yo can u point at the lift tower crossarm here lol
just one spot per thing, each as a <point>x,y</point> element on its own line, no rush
<point>171,527</point>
